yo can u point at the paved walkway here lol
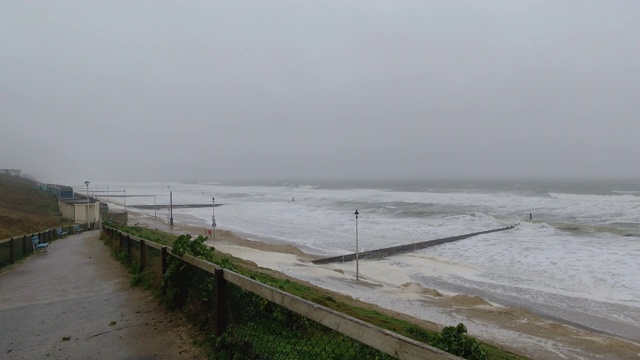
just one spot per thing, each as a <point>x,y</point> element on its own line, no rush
<point>75,302</point>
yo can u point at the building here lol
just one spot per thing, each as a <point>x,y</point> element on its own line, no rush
<point>77,209</point>
<point>74,206</point>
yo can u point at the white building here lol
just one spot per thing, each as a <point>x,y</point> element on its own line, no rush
<point>80,211</point>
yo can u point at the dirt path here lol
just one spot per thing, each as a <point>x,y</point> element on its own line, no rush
<point>75,302</point>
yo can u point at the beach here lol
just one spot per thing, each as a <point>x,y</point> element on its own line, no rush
<point>384,286</point>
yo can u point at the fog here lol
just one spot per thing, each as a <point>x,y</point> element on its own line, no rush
<point>168,90</point>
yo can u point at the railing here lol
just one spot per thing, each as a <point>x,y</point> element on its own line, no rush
<point>118,216</point>
<point>263,320</point>
<point>18,247</point>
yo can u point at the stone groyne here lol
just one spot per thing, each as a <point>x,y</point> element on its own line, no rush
<point>380,253</point>
<point>182,206</point>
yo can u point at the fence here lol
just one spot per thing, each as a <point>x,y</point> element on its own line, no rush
<point>18,247</point>
<point>114,215</point>
<point>255,321</point>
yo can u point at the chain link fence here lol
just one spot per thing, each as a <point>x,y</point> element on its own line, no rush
<point>261,329</point>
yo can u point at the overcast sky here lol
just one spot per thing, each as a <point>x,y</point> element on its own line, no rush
<point>176,90</point>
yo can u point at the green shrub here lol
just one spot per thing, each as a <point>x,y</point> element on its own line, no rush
<point>189,287</point>
<point>454,340</point>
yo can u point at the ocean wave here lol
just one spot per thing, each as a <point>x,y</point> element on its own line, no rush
<point>591,228</point>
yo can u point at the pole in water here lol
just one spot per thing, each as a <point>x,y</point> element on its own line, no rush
<point>530,216</point>
<point>213,216</point>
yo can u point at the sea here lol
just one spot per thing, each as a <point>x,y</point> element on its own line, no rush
<point>574,256</point>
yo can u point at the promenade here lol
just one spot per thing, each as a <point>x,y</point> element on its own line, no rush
<point>75,302</point>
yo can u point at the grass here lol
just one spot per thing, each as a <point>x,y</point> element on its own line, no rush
<point>154,235</point>
<point>24,208</point>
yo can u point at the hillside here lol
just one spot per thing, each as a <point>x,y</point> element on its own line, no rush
<point>24,208</point>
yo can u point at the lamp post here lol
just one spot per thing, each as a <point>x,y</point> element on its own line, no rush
<point>357,264</point>
<point>170,206</point>
<point>213,216</point>
<point>124,191</point>
<point>87,183</point>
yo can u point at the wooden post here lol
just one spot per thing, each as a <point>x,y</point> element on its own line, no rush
<point>165,266</point>
<point>11,259</point>
<point>221,311</point>
<point>143,255</point>
<point>128,244</point>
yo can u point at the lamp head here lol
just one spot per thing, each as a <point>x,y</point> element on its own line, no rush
<point>357,213</point>
<point>86,183</point>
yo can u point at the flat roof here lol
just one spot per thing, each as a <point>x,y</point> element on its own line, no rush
<point>74,201</point>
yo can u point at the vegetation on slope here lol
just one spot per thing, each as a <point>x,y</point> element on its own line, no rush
<point>24,208</point>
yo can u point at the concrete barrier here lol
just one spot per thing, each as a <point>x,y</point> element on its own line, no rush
<point>380,253</point>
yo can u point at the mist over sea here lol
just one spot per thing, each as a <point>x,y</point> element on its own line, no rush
<point>577,260</point>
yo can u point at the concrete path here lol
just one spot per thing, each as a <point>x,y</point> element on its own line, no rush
<point>75,302</point>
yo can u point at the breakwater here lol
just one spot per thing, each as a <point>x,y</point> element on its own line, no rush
<point>183,206</point>
<point>380,253</point>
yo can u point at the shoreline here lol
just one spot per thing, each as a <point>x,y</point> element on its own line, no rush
<point>511,328</point>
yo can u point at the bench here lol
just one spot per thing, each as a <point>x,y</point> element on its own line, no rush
<point>77,229</point>
<point>37,245</point>
<point>60,232</point>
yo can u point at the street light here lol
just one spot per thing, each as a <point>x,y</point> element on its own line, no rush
<point>170,206</point>
<point>87,183</point>
<point>213,216</point>
<point>357,264</point>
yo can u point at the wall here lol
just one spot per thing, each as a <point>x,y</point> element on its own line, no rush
<point>80,212</point>
<point>68,211</point>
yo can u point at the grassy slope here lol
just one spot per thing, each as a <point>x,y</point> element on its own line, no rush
<point>24,208</point>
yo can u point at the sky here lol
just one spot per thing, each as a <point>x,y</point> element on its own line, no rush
<point>213,90</point>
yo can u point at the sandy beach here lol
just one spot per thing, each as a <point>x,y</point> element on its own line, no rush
<point>383,287</point>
